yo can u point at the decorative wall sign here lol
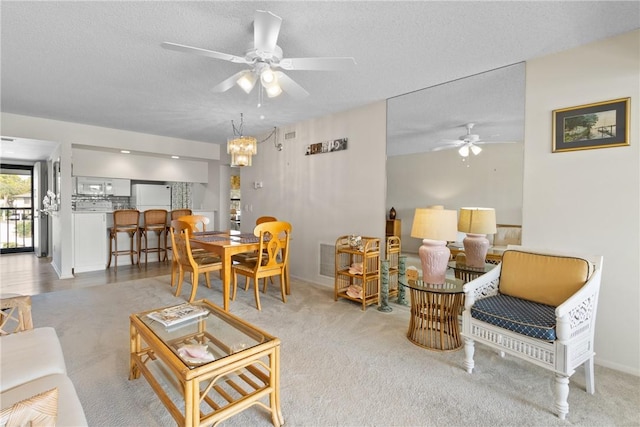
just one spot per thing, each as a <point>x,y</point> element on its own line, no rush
<point>598,125</point>
<point>327,146</point>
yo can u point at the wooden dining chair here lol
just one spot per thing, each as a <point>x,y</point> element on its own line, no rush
<point>245,257</point>
<point>274,241</point>
<point>175,214</point>
<point>180,233</point>
<point>264,219</point>
<point>196,223</point>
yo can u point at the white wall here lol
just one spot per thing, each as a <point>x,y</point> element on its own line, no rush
<point>134,166</point>
<point>491,179</point>
<point>61,221</point>
<point>94,136</point>
<point>588,201</point>
<point>323,196</point>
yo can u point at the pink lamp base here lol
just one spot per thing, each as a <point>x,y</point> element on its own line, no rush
<point>475,249</point>
<point>434,256</point>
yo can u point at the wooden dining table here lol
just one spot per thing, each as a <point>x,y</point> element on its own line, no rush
<point>225,244</point>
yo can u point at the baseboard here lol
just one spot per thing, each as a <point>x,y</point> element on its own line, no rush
<point>59,273</point>
<point>617,367</point>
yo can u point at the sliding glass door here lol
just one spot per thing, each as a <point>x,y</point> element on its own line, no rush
<point>16,208</point>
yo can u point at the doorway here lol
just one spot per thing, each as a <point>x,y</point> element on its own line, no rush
<point>235,204</point>
<point>16,208</point>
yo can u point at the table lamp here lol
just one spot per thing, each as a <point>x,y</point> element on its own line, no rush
<point>477,223</point>
<point>435,226</point>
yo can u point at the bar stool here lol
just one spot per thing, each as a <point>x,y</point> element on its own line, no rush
<point>124,221</point>
<point>155,221</point>
<point>175,214</point>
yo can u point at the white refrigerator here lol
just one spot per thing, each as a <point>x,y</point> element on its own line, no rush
<point>150,196</point>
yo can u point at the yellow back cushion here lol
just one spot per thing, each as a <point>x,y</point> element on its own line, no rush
<point>546,279</point>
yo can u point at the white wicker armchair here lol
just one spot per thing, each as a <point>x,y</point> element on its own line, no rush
<point>561,344</point>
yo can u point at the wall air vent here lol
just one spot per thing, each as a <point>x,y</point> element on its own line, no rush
<point>327,260</point>
<point>290,135</point>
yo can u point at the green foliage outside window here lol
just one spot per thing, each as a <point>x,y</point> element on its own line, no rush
<point>23,228</point>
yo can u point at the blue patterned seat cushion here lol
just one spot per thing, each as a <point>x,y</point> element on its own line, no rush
<point>518,315</point>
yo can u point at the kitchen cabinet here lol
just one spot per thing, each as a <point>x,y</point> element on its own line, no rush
<point>89,241</point>
<point>120,187</point>
<point>101,186</point>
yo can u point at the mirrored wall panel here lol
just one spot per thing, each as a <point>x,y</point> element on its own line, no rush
<point>458,144</point>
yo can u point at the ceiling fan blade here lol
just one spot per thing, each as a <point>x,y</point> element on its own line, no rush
<point>290,86</point>
<point>497,142</point>
<point>444,147</point>
<point>266,27</point>
<point>228,83</point>
<point>205,52</point>
<point>324,64</point>
<point>446,144</point>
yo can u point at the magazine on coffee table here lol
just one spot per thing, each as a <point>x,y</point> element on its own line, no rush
<point>173,315</point>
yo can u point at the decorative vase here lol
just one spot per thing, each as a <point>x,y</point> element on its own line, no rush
<point>392,213</point>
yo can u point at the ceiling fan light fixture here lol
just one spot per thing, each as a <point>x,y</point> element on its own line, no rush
<point>247,81</point>
<point>273,90</point>
<point>263,54</point>
<point>269,80</point>
<point>268,77</point>
<point>464,151</point>
<point>475,149</point>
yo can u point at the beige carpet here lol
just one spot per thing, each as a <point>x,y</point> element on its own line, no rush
<point>340,366</point>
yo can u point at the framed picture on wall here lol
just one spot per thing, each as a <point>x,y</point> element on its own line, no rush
<point>597,125</point>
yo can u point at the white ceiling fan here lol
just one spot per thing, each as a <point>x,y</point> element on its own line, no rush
<point>264,59</point>
<point>466,144</point>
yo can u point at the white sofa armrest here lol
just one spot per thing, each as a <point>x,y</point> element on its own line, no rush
<point>483,286</point>
<point>30,355</point>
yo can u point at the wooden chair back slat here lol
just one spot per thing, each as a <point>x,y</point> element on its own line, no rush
<point>196,222</point>
<point>177,213</point>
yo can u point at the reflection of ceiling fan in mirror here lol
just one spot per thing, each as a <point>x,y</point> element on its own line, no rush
<point>466,144</point>
<point>264,59</point>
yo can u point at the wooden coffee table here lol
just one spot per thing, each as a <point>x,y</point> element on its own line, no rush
<point>245,371</point>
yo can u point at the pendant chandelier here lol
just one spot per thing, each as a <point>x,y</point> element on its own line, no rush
<point>240,147</point>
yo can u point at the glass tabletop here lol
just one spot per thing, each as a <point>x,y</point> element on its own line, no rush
<point>451,286</point>
<point>460,266</point>
<point>210,336</point>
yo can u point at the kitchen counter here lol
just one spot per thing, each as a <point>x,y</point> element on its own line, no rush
<point>90,241</point>
<point>91,237</point>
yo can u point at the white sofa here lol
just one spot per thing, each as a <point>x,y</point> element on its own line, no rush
<point>32,362</point>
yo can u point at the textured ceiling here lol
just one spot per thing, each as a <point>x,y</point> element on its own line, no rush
<point>431,118</point>
<point>101,63</point>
